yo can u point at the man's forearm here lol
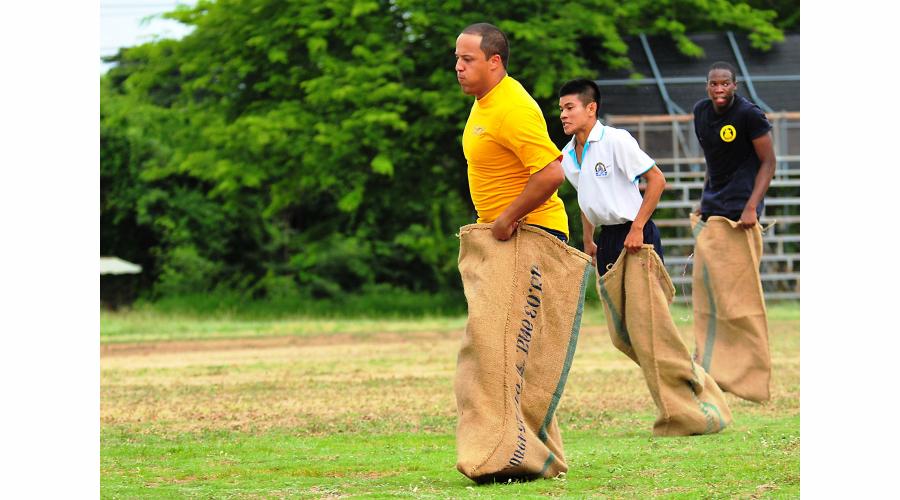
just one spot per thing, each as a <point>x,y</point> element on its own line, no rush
<point>656,184</point>
<point>540,188</point>
<point>765,151</point>
<point>761,184</point>
<point>587,228</point>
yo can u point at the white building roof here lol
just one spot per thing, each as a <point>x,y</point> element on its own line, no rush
<point>115,265</point>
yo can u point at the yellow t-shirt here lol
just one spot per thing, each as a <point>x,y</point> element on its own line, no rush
<point>505,141</point>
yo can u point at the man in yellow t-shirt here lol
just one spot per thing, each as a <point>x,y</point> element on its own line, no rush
<point>514,167</point>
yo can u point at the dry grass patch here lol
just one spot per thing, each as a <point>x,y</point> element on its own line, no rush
<point>390,382</point>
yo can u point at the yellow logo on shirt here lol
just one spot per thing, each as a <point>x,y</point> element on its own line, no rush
<point>728,133</point>
<point>478,130</point>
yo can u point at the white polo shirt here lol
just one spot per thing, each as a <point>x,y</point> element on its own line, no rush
<point>607,178</point>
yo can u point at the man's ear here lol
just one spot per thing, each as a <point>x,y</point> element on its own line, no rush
<point>496,61</point>
<point>592,107</point>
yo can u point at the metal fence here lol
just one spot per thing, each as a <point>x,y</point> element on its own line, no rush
<point>670,140</point>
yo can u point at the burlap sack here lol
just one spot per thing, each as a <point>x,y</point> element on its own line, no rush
<point>636,293</point>
<point>729,307</point>
<point>525,299</point>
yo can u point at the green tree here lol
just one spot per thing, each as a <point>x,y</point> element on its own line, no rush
<point>301,147</point>
<point>787,11</point>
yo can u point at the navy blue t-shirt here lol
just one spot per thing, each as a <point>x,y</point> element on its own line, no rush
<point>731,160</point>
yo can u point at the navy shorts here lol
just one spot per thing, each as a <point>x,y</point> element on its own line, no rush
<point>559,234</point>
<point>736,216</point>
<point>611,241</point>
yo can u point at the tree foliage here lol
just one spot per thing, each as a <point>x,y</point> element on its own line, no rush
<point>308,147</point>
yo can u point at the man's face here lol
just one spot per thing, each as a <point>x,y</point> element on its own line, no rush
<point>720,86</point>
<point>473,70</point>
<point>574,115</point>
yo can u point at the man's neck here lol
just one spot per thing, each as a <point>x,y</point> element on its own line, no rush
<point>726,107</point>
<point>491,87</point>
<point>581,136</point>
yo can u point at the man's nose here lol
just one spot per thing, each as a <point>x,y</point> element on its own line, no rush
<point>459,66</point>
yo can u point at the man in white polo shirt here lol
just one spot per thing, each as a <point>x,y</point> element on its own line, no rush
<point>604,164</point>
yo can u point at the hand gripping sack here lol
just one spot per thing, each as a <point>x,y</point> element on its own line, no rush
<point>525,298</point>
<point>729,307</point>
<point>636,292</point>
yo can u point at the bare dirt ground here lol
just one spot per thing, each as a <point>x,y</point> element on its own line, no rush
<point>180,346</point>
<point>377,382</point>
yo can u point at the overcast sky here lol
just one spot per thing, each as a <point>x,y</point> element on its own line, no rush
<point>124,23</point>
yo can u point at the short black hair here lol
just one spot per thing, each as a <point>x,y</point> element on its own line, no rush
<point>588,91</point>
<point>723,65</point>
<point>493,41</point>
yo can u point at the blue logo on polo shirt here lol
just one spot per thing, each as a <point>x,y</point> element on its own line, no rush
<point>600,170</point>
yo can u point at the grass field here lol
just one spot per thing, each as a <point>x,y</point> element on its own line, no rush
<point>251,408</point>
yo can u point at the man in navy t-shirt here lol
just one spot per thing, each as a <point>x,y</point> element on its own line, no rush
<point>740,159</point>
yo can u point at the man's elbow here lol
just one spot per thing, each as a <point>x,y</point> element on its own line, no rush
<point>657,179</point>
<point>551,176</point>
<point>557,175</point>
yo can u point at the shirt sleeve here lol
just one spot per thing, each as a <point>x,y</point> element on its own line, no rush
<point>630,158</point>
<point>524,131</point>
<point>756,122</point>
<point>696,112</point>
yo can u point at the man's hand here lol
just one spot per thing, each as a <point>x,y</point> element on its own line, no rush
<point>748,218</point>
<point>590,248</point>
<point>635,239</point>
<point>503,229</point>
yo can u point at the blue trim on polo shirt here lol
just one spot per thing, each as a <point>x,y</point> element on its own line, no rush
<point>587,146</point>
<point>584,152</point>
<point>638,176</point>
<point>574,158</point>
